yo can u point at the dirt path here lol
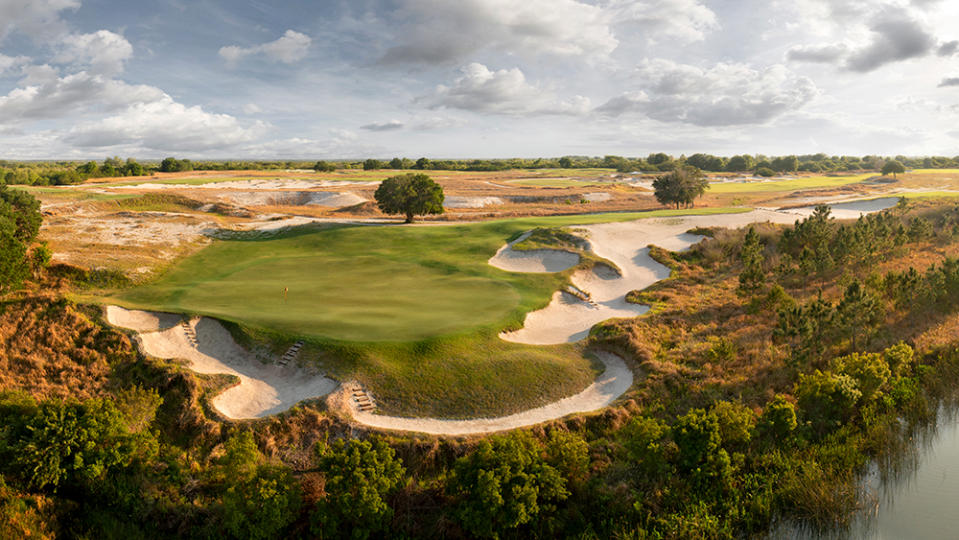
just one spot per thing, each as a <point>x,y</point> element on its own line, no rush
<point>610,385</point>
<point>264,389</point>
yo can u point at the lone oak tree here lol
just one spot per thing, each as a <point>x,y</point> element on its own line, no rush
<point>892,166</point>
<point>410,194</point>
<point>680,187</point>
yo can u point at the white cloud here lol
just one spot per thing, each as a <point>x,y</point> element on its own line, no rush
<point>724,95</point>
<point>685,20</point>
<point>103,51</point>
<point>504,91</point>
<point>290,48</point>
<point>252,108</point>
<point>164,125</point>
<point>896,36</point>
<point>39,19</point>
<point>433,32</point>
<point>10,62</point>
<point>822,54</point>
<point>69,96</point>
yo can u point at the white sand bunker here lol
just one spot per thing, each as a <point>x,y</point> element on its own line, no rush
<point>471,202</point>
<point>141,321</point>
<point>264,389</point>
<point>610,385</point>
<point>568,319</point>
<point>532,261</point>
<point>850,209</point>
<point>331,199</point>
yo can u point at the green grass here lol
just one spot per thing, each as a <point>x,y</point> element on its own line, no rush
<point>72,193</point>
<point>934,171</point>
<point>411,312</point>
<point>792,184</point>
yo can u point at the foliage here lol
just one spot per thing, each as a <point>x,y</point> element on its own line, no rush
<point>19,223</point>
<point>680,187</point>
<point>893,167</point>
<point>324,166</point>
<point>826,399</point>
<point>504,484</point>
<point>411,195</point>
<point>75,444</point>
<point>360,475</point>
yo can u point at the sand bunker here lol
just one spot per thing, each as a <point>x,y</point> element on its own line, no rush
<point>471,202</point>
<point>568,319</point>
<point>532,261</point>
<point>849,209</point>
<point>141,321</point>
<point>264,389</point>
<point>331,199</point>
<point>610,385</point>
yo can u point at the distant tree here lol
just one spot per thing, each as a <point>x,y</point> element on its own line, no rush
<point>396,163</point>
<point>785,164</point>
<point>740,163</point>
<point>411,195</point>
<point>171,164</point>
<point>372,165</point>
<point>658,158</point>
<point>360,475</point>
<point>423,164</point>
<point>565,162</point>
<point>89,168</point>
<point>680,187</point>
<point>132,168</point>
<point>324,166</point>
<point>893,167</point>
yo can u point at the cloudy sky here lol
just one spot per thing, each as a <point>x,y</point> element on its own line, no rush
<point>476,78</point>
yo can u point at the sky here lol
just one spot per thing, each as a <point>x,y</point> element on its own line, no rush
<point>347,79</point>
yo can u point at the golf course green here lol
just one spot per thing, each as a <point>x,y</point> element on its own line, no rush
<point>362,283</point>
<point>411,312</point>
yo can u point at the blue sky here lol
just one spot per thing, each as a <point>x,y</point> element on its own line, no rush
<point>476,78</point>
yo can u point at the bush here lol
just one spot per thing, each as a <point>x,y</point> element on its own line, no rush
<point>765,172</point>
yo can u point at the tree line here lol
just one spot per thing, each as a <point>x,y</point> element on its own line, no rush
<point>70,172</point>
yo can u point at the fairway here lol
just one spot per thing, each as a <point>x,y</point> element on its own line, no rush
<point>790,184</point>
